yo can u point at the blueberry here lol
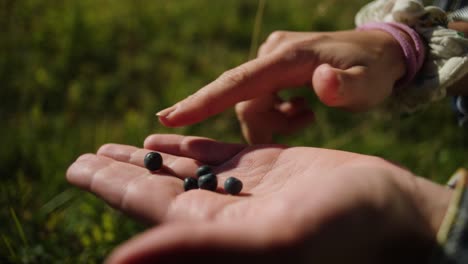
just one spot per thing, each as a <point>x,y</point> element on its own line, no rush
<point>203,170</point>
<point>190,183</point>
<point>153,161</point>
<point>233,185</point>
<point>208,182</point>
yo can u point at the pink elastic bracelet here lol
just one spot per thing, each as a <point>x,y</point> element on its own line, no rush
<point>414,53</point>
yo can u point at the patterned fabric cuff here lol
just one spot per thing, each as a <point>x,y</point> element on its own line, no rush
<point>453,233</point>
<point>447,57</point>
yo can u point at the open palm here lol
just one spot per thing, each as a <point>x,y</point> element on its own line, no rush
<point>314,201</point>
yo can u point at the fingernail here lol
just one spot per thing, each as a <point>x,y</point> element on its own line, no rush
<point>166,112</point>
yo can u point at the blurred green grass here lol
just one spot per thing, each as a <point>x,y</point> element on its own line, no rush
<point>77,74</point>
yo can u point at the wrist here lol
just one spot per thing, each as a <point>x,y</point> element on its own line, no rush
<point>389,50</point>
<point>410,42</point>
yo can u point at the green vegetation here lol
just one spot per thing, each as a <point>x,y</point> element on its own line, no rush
<point>76,74</point>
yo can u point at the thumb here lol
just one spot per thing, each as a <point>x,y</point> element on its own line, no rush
<point>352,89</point>
<point>194,242</point>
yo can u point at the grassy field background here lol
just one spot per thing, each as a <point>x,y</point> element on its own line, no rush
<point>77,74</point>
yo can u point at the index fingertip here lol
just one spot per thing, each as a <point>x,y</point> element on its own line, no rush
<point>164,121</point>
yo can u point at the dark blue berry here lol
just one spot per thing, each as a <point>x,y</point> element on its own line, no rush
<point>190,183</point>
<point>233,185</point>
<point>208,182</point>
<point>153,161</point>
<point>203,170</point>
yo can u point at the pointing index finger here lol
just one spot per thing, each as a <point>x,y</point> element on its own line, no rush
<point>250,80</point>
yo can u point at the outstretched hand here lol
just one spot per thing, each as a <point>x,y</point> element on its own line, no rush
<point>355,70</point>
<point>307,203</point>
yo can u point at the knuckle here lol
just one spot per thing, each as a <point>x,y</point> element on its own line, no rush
<point>298,51</point>
<point>305,46</point>
<point>277,36</point>
<point>262,51</point>
<point>290,47</point>
<point>290,50</point>
<point>273,41</point>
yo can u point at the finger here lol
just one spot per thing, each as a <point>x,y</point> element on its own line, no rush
<point>204,150</point>
<point>258,124</point>
<point>253,79</point>
<point>262,117</point>
<point>261,133</point>
<point>180,167</point>
<point>293,107</point>
<point>172,243</point>
<point>257,117</point>
<point>255,135</point>
<point>124,186</point>
<point>351,88</point>
<point>277,40</point>
<point>297,122</point>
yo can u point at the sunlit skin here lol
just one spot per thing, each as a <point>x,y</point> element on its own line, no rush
<point>352,70</point>
<point>348,69</point>
<point>305,203</point>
